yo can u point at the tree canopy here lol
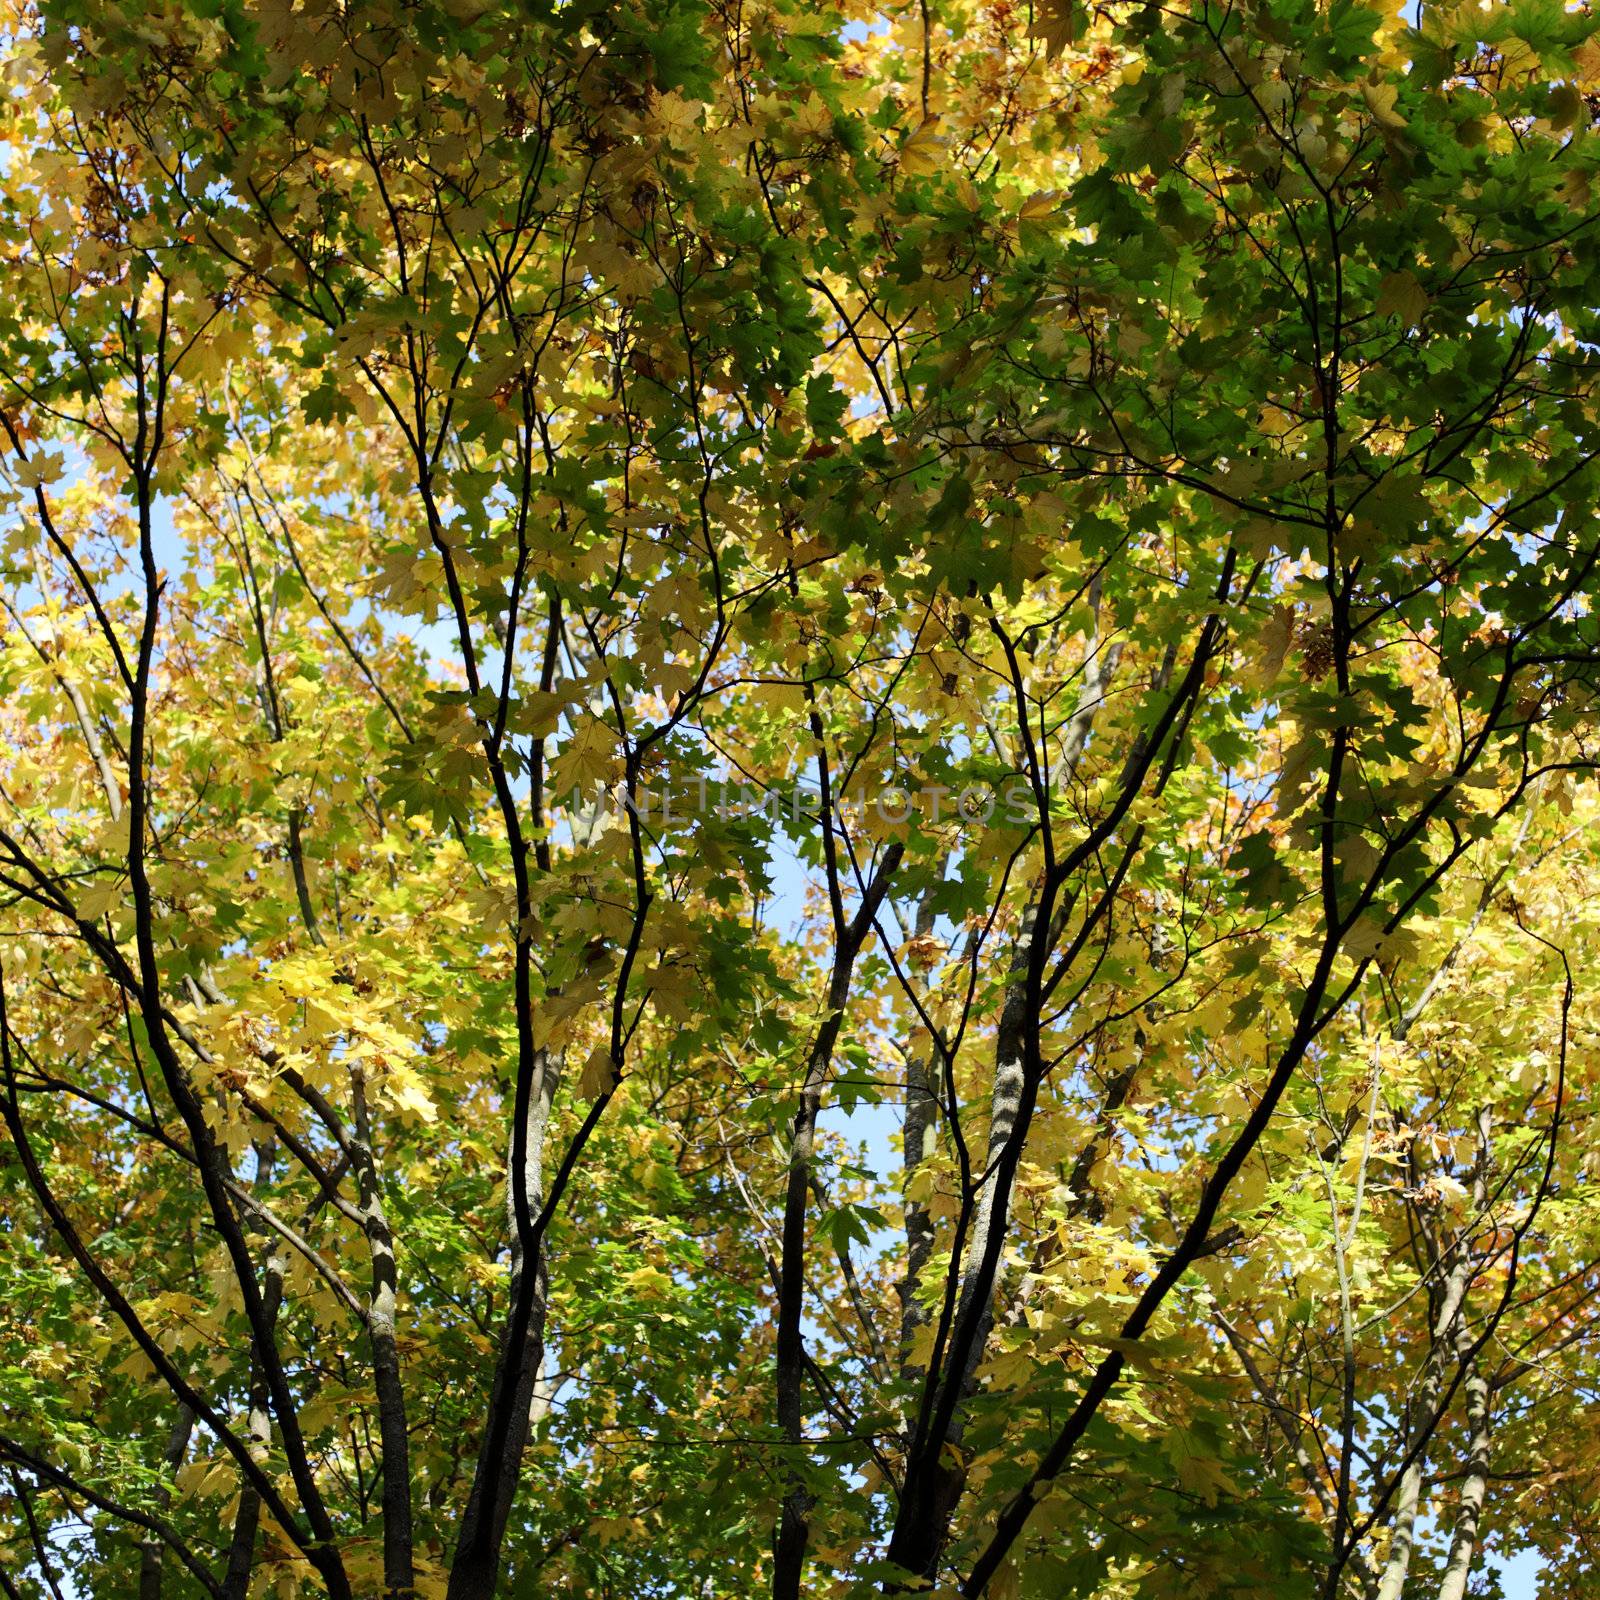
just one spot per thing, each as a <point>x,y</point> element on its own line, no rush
<point>797,799</point>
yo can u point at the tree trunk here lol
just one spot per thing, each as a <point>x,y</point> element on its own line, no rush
<point>935,1478</point>
<point>151,1549</point>
<point>794,1524</point>
<point>398,1575</point>
<point>1475,1488</point>
<point>919,1133</point>
<point>1449,1332</point>
<point>476,1572</point>
<point>258,1426</point>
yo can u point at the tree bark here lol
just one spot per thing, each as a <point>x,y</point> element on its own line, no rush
<point>1480,1417</point>
<point>1475,1488</point>
<point>919,1135</point>
<point>258,1425</point>
<point>398,1576</point>
<point>934,1480</point>
<point>794,1525</point>
<point>476,1571</point>
<point>151,1547</point>
<point>1449,1329</point>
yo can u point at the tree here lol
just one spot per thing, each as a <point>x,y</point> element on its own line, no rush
<point>610,602</point>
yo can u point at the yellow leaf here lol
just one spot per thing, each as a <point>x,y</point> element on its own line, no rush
<point>674,116</point>
<point>1272,645</point>
<point>1367,938</point>
<point>588,759</point>
<point>649,1281</point>
<point>813,117</point>
<point>554,1017</point>
<point>98,899</point>
<point>41,467</point>
<point>673,678</point>
<point>921,152</point>
<point>1380,98</point>
<point>1044,203</point>
<point>406,1092</point>
<point>599,1075</point>
<point>1054,25</point>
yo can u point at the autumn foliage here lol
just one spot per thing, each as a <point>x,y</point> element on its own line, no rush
<point>798,799</point>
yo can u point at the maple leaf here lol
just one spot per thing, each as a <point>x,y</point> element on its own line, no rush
<point>1054,23</point>
<point>588,759</point>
